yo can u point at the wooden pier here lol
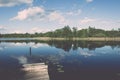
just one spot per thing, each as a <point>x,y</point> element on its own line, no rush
<point>36,71</point>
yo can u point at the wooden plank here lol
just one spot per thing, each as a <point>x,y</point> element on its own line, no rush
<point>36,71</point>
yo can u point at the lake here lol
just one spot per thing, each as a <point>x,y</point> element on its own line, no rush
<point>59,60</point>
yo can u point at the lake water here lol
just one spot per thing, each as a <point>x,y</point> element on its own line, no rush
<point>59,60</point>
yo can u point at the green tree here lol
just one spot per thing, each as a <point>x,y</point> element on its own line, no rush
<point>67,32</point>
<point>74,31</point>
<point>119,29</point>
<point>82,33</point>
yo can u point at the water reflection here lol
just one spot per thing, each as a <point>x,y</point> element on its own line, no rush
<point>61,60</point>
<point>67,45</point>
<point>10,69</point>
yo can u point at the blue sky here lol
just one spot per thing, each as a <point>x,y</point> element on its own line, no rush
<point>21,16</point>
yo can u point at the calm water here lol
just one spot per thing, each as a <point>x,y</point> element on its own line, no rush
<point>65,60</point>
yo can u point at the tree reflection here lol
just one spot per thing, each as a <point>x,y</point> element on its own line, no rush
<point>62,66</point>
<point>68,44</point>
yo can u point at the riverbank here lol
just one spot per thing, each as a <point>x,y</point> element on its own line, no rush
<point>82,39</point>
<point>60,39</point>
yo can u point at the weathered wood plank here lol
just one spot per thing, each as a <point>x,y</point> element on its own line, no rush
<point>36,71</point>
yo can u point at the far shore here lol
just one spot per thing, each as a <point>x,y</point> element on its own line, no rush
<point>82,39</point>
<point>60,39</point>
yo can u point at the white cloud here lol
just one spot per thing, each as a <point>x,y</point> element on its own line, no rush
<point>87,20</point>
<point>40,14</point>
<point>56,16</point>
<point>38,29</point>
<point>106,24</point>
<point>89,1</point>
<point>9,3</point>
<point>35,29</point>
<point>76,13</point>
<point>18,31</point>
<point>99,23</point>
<point>70,13</point>
<point>2,27</point>
<point>28,13</point>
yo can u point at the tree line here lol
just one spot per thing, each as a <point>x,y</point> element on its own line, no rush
<point>67,32</point>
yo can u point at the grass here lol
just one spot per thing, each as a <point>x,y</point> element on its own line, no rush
<point>85,39</point>
<point>60,39</point>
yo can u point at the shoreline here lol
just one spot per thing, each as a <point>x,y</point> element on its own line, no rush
<point>81,39</point>
<point>60,39</point>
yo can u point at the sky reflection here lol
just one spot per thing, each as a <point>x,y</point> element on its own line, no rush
<point>73,62</point>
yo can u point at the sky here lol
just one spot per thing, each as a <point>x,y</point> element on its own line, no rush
<point>30,16</point>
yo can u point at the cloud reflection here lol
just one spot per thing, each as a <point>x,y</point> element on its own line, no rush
<point>86,54</point>
<point>21,59</point>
